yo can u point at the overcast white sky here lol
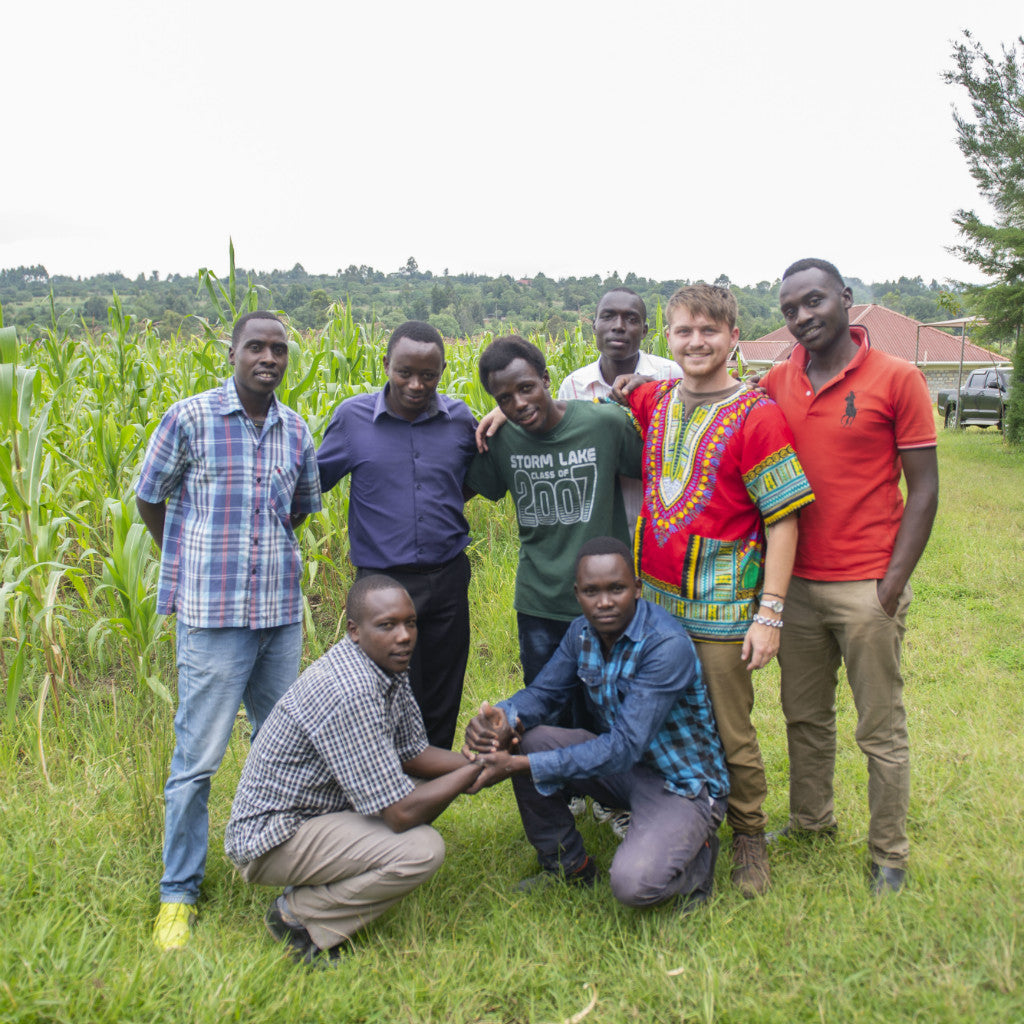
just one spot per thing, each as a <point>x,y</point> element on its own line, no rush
<point>673,139</point>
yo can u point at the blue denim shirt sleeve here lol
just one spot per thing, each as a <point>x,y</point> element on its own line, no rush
<point>665,667</point>
<point>554,686</point>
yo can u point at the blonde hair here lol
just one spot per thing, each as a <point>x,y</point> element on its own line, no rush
<point>708,300</point>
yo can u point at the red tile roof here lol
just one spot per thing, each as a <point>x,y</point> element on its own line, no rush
<point>890,332</point>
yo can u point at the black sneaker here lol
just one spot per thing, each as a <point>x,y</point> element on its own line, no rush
<point>584,875</point>
<point>690,901</point>
<point>885,881</point>
<point>301,948</point>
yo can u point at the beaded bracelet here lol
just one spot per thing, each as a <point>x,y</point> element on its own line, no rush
<point>763,620</point>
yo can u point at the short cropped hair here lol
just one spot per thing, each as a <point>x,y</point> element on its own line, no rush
<point>256,314</point>
<point>503,351</point>
<point>603,546</point>
<point>416,330</point>
<point>628,291</point>
<point>708,300</point>
<point>814,264</point>
<point>355,603</point>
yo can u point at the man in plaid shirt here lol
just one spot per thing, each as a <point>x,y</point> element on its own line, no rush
<point>228,476</point>
<point>327,804</point>
<point>656,751</point>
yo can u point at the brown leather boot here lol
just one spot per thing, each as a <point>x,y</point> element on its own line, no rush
<point>750,872</point>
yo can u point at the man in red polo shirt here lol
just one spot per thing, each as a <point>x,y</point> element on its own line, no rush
<point>859,417</point>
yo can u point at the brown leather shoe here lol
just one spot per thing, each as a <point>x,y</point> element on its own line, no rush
<point>750,872</point>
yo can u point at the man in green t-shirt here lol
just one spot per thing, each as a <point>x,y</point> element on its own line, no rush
<point>560,461</point>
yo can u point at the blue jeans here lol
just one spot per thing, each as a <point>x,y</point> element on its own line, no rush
<point>218,669</point>
<point>538,640</point>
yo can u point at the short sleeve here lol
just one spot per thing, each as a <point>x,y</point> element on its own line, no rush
<point>484,477</point>
<point>915,423</point>
<point>166,460</point>
<point>306,498</point>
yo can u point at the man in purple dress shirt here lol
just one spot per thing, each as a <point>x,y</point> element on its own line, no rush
<point>407,449</point>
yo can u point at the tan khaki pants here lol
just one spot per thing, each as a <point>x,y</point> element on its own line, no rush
<point>731,689</point>
<point>827,623</point>
<point>347,869</point>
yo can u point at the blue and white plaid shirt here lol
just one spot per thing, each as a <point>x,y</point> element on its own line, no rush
<point>336,741</point>
<point>229,555</point>
<point>648,699</point>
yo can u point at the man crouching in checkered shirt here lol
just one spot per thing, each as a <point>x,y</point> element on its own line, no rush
<point>327,805</point>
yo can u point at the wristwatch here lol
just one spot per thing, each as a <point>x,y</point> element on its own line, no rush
<point>776,606</point>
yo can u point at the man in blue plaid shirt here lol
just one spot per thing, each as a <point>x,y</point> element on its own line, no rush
<point>656,751</point>
<point>228,476</point>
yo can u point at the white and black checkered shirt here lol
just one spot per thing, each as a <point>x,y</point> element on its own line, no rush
<point>335,741</point>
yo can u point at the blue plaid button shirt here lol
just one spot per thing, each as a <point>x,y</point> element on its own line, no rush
<point>648,698</point>
<point>229,555</point>
<point>336,741</point>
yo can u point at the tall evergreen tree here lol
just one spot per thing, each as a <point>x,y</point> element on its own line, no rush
<point>992,142</point>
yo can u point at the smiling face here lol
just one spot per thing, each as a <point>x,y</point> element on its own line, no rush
<point>701,347</point>
<point>260,357</point>
<point>816,309</point>
<point>607,592</point>
<point>414,370</point>
<point>619,326</point>
<point>386,630</point>
<point>522,395</point>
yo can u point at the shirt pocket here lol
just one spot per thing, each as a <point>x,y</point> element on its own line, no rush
<point>722,571</point>
<point>283,481</point>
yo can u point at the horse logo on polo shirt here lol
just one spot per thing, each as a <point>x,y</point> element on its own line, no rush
<point>851,410</point>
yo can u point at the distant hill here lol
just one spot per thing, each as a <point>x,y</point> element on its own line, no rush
<point>457,304</point>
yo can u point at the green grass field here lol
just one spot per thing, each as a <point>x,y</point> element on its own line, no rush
<point>80,853</point>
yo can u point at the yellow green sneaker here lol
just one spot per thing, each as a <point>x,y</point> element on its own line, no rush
<point>172,925</point>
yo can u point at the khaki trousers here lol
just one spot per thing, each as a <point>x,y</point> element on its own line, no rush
<point>731,688</point>
<point>829,623</point>
<point>347,869</point>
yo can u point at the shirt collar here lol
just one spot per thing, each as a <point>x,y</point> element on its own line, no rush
<point>859,334</point>
<point>634,632</point>
<point>435,407</point>
<point>386,681</point>
<point>230,402</point>
<point>591,372</point>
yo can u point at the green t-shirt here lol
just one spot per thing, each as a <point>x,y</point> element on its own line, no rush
<point>566,490</point>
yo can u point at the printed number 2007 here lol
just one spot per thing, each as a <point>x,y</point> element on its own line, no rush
<point>547,502</point>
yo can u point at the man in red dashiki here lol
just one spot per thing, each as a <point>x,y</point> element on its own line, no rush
<point>717,534</point>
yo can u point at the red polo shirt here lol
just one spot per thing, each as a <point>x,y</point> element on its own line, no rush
<point>848,438</point>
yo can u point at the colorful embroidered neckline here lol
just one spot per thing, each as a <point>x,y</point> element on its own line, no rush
<point>683,456</point>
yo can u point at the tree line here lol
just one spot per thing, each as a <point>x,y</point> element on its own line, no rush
<point>459,305</point>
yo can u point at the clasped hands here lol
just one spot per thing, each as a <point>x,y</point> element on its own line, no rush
<point>491,742</point>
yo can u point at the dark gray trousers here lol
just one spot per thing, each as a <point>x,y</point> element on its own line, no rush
<point>665,852</point>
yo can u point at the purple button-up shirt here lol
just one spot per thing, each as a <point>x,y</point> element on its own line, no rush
<point>405,500</point>
<point>229,555</point>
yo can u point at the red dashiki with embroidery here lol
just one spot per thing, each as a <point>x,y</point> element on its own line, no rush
<point>711,484</point>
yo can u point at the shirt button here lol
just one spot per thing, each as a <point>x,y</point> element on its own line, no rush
<point>419,487</point>
<point>419,519</point>
<point>808,394</point>
<point>258,479</point>
<point>415,455</point>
